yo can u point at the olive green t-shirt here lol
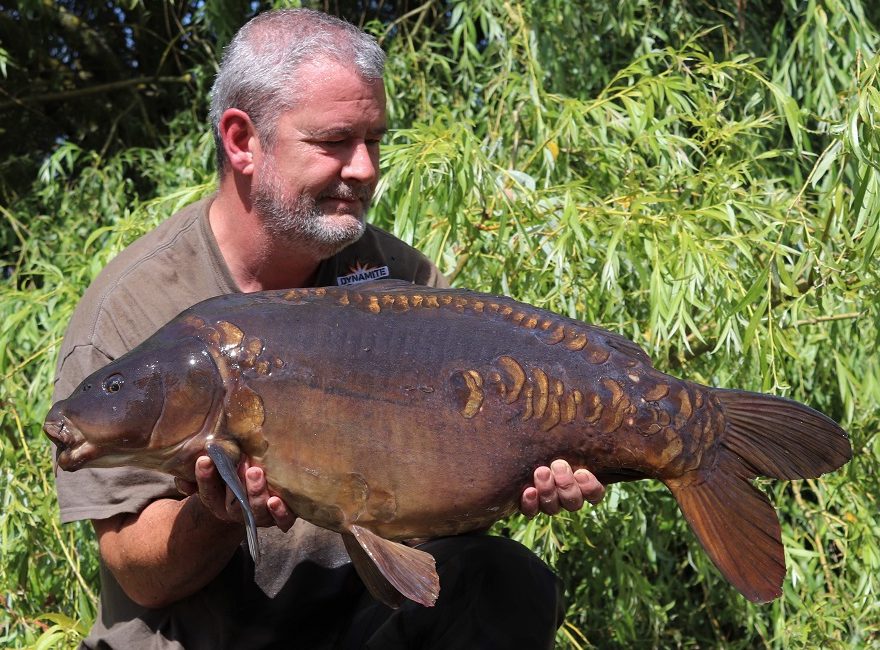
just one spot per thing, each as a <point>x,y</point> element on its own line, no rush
<point>301,572</point>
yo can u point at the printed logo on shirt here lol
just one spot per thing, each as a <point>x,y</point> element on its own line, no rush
<point>362,273</point>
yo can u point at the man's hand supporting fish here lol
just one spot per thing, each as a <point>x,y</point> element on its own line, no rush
<point>558,488</point>
<point>268,508</point>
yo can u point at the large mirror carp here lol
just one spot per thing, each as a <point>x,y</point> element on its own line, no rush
<point>363,405</point>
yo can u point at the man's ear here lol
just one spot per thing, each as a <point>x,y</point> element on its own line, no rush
<point>240,140</point>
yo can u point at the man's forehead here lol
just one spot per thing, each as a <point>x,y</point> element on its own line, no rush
<point>328,119</point>
<point>335,100</point>
<point>331,81</point>
<point>325,70</point>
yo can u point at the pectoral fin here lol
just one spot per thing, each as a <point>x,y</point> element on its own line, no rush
<point>391,570</point>
<point>226,461</point>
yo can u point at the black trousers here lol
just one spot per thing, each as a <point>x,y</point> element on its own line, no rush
<point>494,594</point>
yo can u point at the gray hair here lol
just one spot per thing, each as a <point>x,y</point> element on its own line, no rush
<point>258,73</point>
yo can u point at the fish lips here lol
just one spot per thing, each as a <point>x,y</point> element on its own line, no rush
<point>71,451</point>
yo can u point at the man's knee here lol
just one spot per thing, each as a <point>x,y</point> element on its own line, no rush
<point>495,594</point>
<point>499,576</point>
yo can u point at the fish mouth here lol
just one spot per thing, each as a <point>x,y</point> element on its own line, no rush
<point>58,432</point>
<point>68,444</point>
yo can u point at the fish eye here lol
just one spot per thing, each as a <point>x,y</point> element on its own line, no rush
<point>113,383</point>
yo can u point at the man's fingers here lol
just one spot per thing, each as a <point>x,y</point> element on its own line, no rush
<point>211,489</point>
<point>548,500</point>
<point>215,494</point>
<point>557,487</point>
<point>590,487</point>
<point>255,487</point>
<point>528,505</point>
<point>255,482</point>
<point>282,515</point>
<point>269,510</point>
<point>568,490</point>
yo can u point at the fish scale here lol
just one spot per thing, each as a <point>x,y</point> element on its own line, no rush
<point>365,406</point>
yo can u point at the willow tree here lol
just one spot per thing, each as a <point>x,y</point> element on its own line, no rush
<point>702,180</point>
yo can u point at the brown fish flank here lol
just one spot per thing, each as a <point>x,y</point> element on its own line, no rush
<point>363,406</point>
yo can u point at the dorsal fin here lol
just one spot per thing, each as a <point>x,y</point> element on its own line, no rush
<point>385,285</point>
<point>380,293</point>
<point>625,346</point>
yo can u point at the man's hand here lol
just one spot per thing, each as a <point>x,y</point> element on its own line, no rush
<point>557,487</point>
<point>268,509</point>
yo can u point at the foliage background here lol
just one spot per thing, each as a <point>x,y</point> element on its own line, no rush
<point>701,177</point>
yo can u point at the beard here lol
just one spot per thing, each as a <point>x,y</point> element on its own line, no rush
<point>299,222</point>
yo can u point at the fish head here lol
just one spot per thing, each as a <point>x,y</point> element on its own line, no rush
<point>153,407</point>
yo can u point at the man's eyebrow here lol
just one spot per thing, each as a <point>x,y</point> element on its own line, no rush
<point>343,132</point>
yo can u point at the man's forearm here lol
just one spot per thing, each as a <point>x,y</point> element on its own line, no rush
<point>168,551</point>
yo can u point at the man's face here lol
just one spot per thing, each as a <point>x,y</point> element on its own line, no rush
<point>314,186</point>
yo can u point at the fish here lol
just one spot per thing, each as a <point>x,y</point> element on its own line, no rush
<point>365,405</point>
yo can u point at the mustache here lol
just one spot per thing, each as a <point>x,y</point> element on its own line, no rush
<point>348,192</point>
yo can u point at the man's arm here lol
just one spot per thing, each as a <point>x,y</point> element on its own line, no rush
<point>172,548</point>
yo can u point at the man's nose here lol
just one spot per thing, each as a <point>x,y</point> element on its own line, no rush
<point>362,165</point>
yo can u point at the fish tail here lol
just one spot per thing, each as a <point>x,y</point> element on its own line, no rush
<point>735,522</point>
<point>780,438</point>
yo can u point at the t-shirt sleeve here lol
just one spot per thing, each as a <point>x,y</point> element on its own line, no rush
<point>74,366</point>
<point>100,493</point>
<point>147,284</point>
<point>433,277</point>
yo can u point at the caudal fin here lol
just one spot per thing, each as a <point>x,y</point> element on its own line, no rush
<point>781,438</point>
<point>736,524</point>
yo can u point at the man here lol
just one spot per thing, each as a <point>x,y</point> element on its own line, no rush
<point>298,110</point>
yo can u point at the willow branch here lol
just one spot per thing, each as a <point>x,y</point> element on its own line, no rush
<point>46,98</point>
<point>80,29</point>
<point>677,359</point>
<point>419,11</point>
